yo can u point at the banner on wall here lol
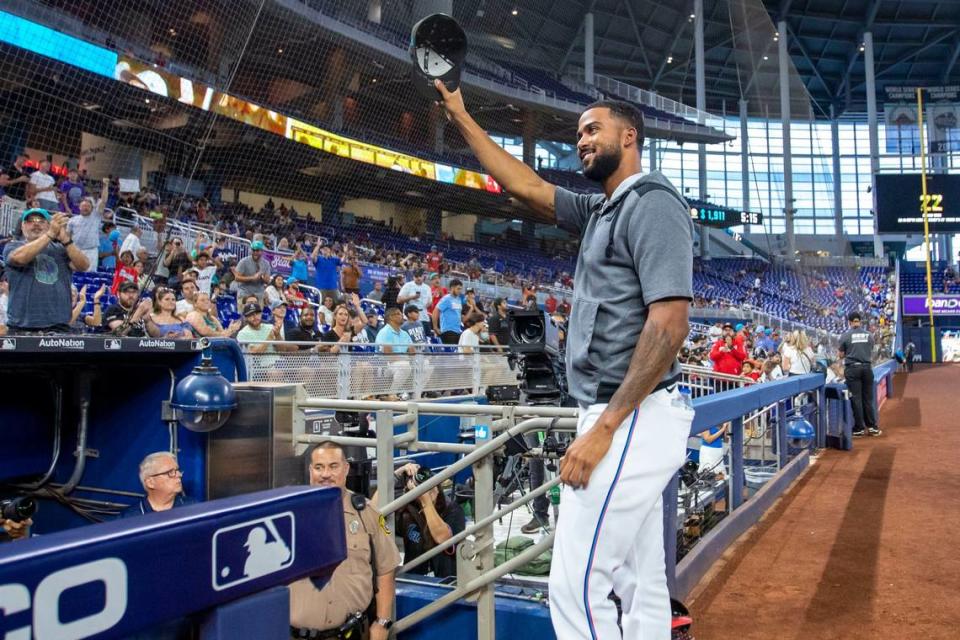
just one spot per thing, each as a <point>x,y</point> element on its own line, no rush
<point>943,305</point>
<point>101,157</point>
<point>950,345</point>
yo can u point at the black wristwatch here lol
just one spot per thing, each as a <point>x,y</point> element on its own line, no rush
<point>67,243</point>
<point>386,623</point>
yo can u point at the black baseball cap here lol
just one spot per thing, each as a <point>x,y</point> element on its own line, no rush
<point>128,286</point>
<point>438,48</point>
<point>251,308</point>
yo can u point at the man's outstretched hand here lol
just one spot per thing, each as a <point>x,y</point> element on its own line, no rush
<point>452,101</point>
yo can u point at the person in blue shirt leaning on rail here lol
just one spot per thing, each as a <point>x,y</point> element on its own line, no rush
<point>446,314</point>
<point>392,338</point>
<point>632,292</point>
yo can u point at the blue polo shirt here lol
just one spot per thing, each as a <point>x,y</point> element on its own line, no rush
<point>450,307</point>
<point>393,337</point>
<point>142,507</point>
<point>106,245</point>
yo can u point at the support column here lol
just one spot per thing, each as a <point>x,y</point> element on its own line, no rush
<point>745,157</point>
<point>701,82</point>
<point>653,154</point>
<point>588,48</point>
<point>874,138</point>
<point>788,201</point>
<point>837,186</point>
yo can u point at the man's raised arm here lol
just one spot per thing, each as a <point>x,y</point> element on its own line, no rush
<point>517,178</point>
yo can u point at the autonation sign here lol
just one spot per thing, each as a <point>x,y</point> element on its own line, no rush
<point>943,305</point>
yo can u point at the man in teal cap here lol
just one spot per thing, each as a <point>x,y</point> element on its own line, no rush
<point>39,268</point>
<point>252,273</point>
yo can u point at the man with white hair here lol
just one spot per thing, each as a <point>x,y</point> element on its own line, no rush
<point>85,226</point>
<point>161,478</point>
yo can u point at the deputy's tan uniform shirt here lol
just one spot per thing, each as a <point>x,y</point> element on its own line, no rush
<point>351,587</point>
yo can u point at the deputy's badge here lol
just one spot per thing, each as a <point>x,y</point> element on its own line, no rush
<point>354,526</point>
<point>383,525</point>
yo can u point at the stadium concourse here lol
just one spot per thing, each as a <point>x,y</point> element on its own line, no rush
<point>364,338</point>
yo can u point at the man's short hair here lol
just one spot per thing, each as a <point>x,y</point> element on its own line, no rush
<point>149,464</point>
<point>410,308</point>
<point>854,315</point>
<point>497,301</point>
<point>473,319</point>
<point>455,283</point>
<point>625,112</point>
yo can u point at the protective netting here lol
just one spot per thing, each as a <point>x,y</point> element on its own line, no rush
<point>288,121</point>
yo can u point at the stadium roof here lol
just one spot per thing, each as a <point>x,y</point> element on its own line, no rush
<point>649,43</point>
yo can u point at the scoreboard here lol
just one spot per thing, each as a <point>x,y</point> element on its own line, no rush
<point>723,217</point>
<point>901,203</point>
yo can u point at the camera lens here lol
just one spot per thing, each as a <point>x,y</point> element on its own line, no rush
<point>18,509</point>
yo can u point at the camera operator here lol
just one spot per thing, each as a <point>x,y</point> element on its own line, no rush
<point>15,518</point>
<point>427,522</point>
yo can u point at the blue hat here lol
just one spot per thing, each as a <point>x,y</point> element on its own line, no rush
<point>256,245</point>
<point>291,280</point>
<point>739,326</point>
<point>768,331</point>
<point>35,211</point>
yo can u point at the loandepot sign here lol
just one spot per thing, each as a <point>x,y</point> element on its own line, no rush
<point>943,305</point>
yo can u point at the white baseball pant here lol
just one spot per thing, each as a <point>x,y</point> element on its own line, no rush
<point>610,534</point>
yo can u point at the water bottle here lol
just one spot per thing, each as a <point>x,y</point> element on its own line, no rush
<point>683,400</point>
<point>554,494</point>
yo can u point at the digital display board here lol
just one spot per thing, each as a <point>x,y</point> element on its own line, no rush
<point>900,203</point>
<point>722,217</point>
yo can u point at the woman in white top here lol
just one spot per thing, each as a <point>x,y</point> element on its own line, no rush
<point>273,294</point>
<point>470,338</point>
<point>797,355</point>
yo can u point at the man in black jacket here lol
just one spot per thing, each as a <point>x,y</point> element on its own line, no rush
<point>856,349</point>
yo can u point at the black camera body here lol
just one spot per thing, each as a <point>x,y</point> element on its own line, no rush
<point>18,509</point>
<point>532,331</point>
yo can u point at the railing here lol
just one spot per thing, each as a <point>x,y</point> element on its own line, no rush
<point>366,371</point>
<point>833,261</point>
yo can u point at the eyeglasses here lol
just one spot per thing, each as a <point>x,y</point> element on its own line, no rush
<point>170,473</point>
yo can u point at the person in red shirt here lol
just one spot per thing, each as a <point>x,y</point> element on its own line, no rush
<point>434,260</point>
<point>436,291</point>
<point>750,369</point>
<point>550,304</point>
<point>728,353</point>
<point>125,272</point>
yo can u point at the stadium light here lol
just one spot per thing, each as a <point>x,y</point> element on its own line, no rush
<point>204,399</point>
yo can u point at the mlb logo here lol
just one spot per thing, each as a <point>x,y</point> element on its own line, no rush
<point>252,549</point>
<point>112,345</point>
<point>8,344</point>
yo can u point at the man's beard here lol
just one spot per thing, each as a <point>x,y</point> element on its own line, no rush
<point>605,162</point>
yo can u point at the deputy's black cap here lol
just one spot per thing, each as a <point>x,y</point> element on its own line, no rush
<point>438,47</point>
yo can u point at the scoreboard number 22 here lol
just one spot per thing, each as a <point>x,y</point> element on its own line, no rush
<point>931,203</point>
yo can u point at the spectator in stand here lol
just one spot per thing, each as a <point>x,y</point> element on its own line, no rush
<point>550,304</point>
<point>391,295</point>
<point>256,333</point>
<point>204,321</point>
<point>771,369</point>
<point>727,353</point>
<point>206,272</point>
<point>350,275</point>
<point>298,264</point>
<point>326,270</point>
<point>418,329</point>
<point>186,304</point>
<point>223,256</point>
<point>252,273</point>
<point>161,478</point>
<point>796,354</point>
<point>126,305</point>
<point>471,304</point>
<point>376,293</point>
<point>85,228</point>
<point>715,332</point>
<point>470,338</point>
<point>499,325</point>
<point>437,291</point>
<point>294,296</point>
<point>109,247</point>
<point>446,315</point>
<point>392,338</point>
<point>38,268</point>
<point>162,323</point>
<point>341,330</point>
<point>434,260</point>
<point>79,320</point>
<point>528,298</point>
<point>327,311</point>
<point>306,330</point>
<point>750,369</point>
<point>15,178</point>
<point>273,294</point>
<point>4,303</point>
<point>564,308</point>
<point>365,327</point>
<point>132,244</point>
<point>72,192</point>
<point>43,188</point>
<point>416,292</point>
